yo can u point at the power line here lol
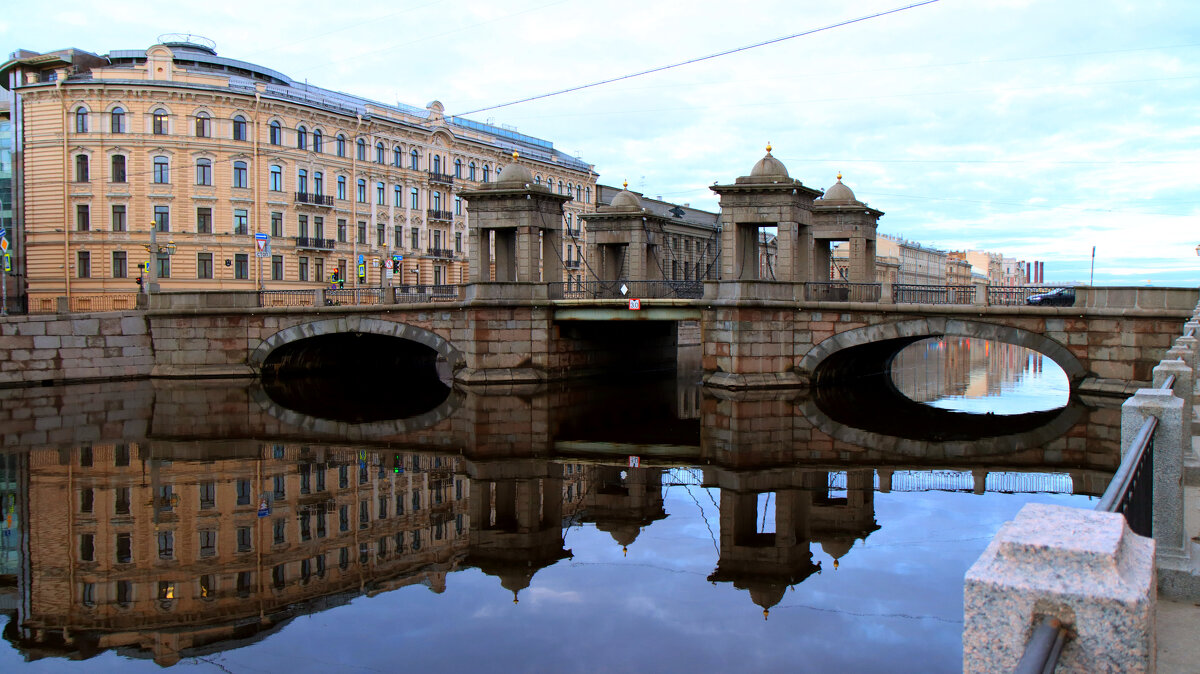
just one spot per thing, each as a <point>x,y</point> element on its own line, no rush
<point>701,58</point>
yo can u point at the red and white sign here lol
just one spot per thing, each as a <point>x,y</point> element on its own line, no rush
<point>635,461</point>
<point>635,305</point>
<point>261,243</point>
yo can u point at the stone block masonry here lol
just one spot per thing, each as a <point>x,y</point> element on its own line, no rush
<point>84,347</point>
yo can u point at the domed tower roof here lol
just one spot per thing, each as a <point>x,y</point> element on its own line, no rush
<point>769,167</point>
<point>626,200</point>
<point>839,194</point>
<point>514,175</point>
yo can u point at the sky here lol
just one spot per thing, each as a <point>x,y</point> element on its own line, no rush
<point>1037,129</point>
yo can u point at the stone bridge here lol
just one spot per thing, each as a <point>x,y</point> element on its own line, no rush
<point>753,334</point>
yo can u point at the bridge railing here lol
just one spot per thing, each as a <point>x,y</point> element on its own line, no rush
<point>427,293</point>
<point>287,298</point>
<point>606,290</point>
<point>361,295</point>
<point>923,294</point>
<point>838,291</point>
<point>1131,491</point>
<point>1014,295</point>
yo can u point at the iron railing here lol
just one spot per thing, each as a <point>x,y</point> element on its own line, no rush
<point>113,302</point>
<point>574,232</point>
<point>287,298</point>
<point>435,214</point>
<point>839,291</point>
<point>314,199</point>
<point>921,294</point>
<point>313,243</point>
<point>607,290</point>
<point>361,295</point>
<point>1044,647</point>
<point>572,264</point>
<point>440,252</point>
<point>443,178</point>
<point>427,293</point>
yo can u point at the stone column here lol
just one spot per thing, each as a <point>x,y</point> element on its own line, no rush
<point>746,254</point>
<point>981,294</point>
<point>505,243</point>
<point>479,261</point>
<point>552,264</point>
<point>1168,461</point>
<point>821,263</point>
<point>1083,567</point>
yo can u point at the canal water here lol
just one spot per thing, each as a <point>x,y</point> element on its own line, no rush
<point>592,526</point>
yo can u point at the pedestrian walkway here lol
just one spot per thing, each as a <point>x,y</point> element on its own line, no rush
<point>1177,623</point>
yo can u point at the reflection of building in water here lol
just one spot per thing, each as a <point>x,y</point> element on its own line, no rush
<point>623,501</point>
<point>128,547</point>
<point>10,526</point>
<point>770,517</point>
<point>932,369</point>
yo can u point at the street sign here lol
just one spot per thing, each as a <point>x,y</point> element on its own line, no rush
<point>263,243</point>
<point>635,305</point>
<point>3,243</point>
<point>264,510</point>
<point>7,262</point>
<point>3,232</point>
<point>635,461</point>
<point>387,264</point>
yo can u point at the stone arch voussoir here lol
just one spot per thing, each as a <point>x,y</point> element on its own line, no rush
<point>948,327</point>
<point>348,324</point>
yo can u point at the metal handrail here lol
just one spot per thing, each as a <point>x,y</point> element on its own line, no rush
<point>1044,647</point>
<point>1128,488</point>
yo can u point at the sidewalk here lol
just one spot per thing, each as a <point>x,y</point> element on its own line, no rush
<point>1177,624</point>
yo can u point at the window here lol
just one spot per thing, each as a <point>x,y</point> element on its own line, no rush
<point>204,221</point>
<point>239,174</point>
<point>276,223</point>
<point>380,234</point>
<point>341,145</point>
<point>588,193</point>
<point>241,221</point>
<point>275,137</point>
<point>362,191</point>
<point>162,170</point>
<point>241,266</point>
<point>458,205</point>
<point>344,518</point>
<point>83,264</point>
<point>239,127</point>
<point>437,201</point>
<point>118,168</point>
<point>341,188</point>
<point>364,514</point>
<point>485,173</point>
<point>318,140</point>
<point>570,189</point>
<point>560,187</point>
<point>208,584</point>
<point>362,150</point>
<point>203,125</point>
<point>416,237</point>
<point>399,240</point>
<point>341,231</point>
<point>208,543</point>
<point>118,264</point>
<point>204,265</point>
<point>319,227</point>
<point>244,542</point>
<point>579,192</point>
<point>318,182</point>
<point>397,157</point>
<point>164,266</point>
<point>124,593</point>
<point>81,120</point>
<point>83,220</point>
<point>276,180</point>
<point>414,198</point>
<point>537,180</point>
<point>124,543</point>
<point>204,172</point>
<point>380,195</point>
<point>245,581</point>
<point>437,163</point>
<point>414,158</point>
<point>362,231</point>
<point>302,269</point>
<point>471,169</point>
<point>397,195</point>
<point>458,242</point>
<point>166,545</point>
<point>243,492</point>
<point>159,122</point>
<point>87,500</point>
<point>457,168</point>
<point>87,594</point>
<point>276,267</point>
<point>379,153</point>
<point>301,138</point>
<point>121,501</point>
<point>302,180</point>
<point>117,120</point>
<point>81,168</point>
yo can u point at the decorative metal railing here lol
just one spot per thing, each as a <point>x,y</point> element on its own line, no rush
<point>440,252</point>
<point>434,214</point>
<point>313,243</point>
<point>921,294</point>
<point>837,291</point>
<point>443,178</point>
<point>287,298</point>
<point>314,199</point>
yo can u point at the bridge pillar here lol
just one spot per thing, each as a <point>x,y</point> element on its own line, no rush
<point>838,216</point>
<point>625,241</point>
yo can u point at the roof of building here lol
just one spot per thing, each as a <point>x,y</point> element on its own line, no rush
<point>769,167</point>
<point>839,194</point>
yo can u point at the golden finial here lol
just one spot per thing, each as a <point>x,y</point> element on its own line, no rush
<point>835,565</point>
<point>625,184</point>
<point>766,612</point>
<point>768,147</point>
<point>515,600</point>
<point>624,551</point>
<point>839,176</point>
<point>515,155</point>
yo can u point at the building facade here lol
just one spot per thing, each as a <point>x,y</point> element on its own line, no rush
<point>212,153</point>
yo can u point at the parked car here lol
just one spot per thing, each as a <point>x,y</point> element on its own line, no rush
<point>1059,297</point>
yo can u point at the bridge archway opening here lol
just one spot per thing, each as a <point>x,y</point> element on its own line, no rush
<point>619,348</point>
<point>356,377</point>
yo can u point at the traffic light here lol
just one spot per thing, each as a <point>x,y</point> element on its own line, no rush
<point>397,464</point>
<point>139,281</point>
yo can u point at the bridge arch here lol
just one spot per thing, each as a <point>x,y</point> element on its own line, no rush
<point>352,324</point>
<point>920,328</point>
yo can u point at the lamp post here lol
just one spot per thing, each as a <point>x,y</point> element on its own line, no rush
<point>156,252</point>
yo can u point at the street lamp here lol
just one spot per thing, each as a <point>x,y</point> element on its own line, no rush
<point>156,251</point>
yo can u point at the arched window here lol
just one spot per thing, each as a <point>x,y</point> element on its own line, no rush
<point>471,171</point>
<point>81,120</point>
<point>301,137</point>
<point>437,201</point>
<point>397,157</point>
<point>588,192</point>
<point>302,180</point>
<point>117,120</point>
<point>537,179</point>
<point>560,187</point>
<point>159,122</point>
<point>362,150</point>
<point>276,178</point>
<point>570,189</point>
<point>162,170</point>
<point>579,192</point>
<point>276,134</point>
<point>341,145</point>
<point>118,168</point>
<point>457,168</point>
<point>317,140</point>
<point>341,194</point>
<point>380,194</point>
<point>203,171</point>
<point>437,163</point>
<point>362,191</point>
<point>81,168</point>
<point>414,160</point>
<point>239,127</point>
<point>203,125</point>
<point>239,174</point>
<point>485,173</point>
<point>318,182</point>
<point>380,153</point>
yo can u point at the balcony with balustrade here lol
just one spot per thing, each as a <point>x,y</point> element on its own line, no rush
<point>434,214</point>
<point>314,243</point>
<point>313,199</point>
<point>441,253</point>
<point>441,178</point>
